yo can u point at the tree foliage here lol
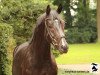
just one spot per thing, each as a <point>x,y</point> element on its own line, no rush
<point>84,24</point>
<point>22,15</point>
<point>6,32</point>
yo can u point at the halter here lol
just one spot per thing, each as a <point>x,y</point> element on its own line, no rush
<point>48,33</point>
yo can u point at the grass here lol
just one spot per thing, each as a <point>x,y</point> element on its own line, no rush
<point>67,72</point>
<point>81,54</point>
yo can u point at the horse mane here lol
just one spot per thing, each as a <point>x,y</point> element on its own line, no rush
<point>38,23</point>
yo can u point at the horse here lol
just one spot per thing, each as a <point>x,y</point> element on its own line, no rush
<point>35,57</point>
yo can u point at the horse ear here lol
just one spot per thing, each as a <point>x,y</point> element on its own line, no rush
<point>48,9</point>
<point>59,9</point>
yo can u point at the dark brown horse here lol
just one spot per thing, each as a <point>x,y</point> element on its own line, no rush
<point>34,57</point>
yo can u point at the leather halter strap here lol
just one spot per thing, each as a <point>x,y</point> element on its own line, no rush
<point>48,33</point>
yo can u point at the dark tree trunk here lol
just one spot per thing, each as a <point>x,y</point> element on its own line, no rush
<point>66,7</point>
<point>68,17</point>
<point>98,19</point>
<point>84,3</point>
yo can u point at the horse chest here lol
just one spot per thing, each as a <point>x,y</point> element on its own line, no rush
<point>44,69</point>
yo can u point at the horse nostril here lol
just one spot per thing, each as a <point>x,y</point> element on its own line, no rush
<point>64,48</point>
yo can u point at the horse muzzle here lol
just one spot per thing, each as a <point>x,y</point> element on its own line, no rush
<point>64,49</point>
<point>63,46</point>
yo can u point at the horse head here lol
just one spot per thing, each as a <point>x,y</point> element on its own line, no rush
<point>55,29</point>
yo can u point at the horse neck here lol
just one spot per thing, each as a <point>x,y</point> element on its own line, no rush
<point>40,46</point>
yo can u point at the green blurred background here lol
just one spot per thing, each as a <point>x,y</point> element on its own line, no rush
<point>82,29</point>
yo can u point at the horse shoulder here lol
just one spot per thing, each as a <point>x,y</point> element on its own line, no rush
<point>19,48</point>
